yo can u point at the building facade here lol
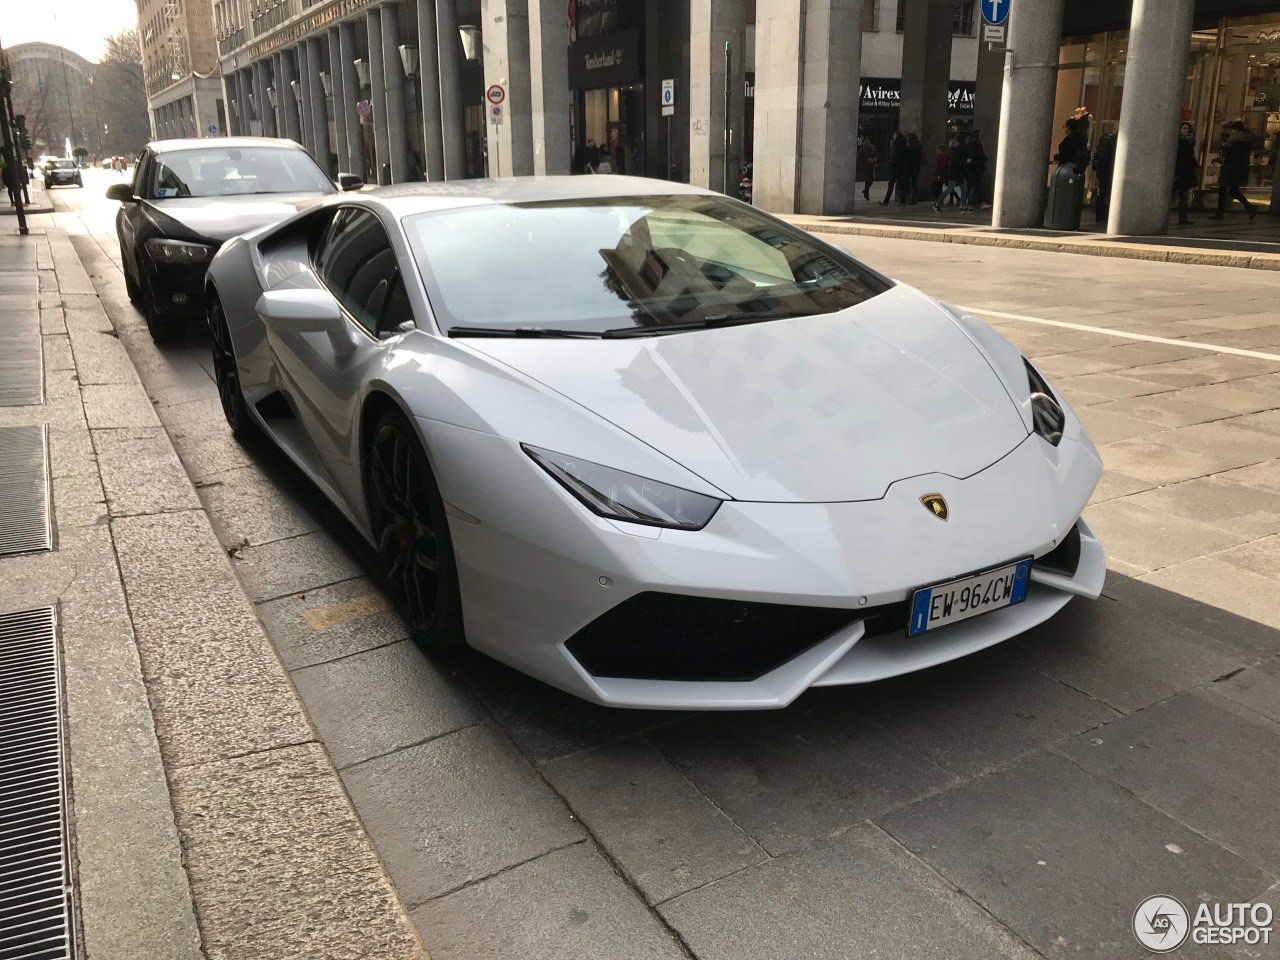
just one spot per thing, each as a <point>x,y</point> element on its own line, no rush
<point>180,68</point>
<point>53,89</point>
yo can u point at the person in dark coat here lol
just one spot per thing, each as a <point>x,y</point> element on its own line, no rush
<point>975,172</point>
<point>1074,148</point>
<point>955,171</point>
<point>1104,165</point>
<point>1185,169</point>
<point>867,157</point>
<point>898,155</point>
<point>915,161</point>
<point>1237,148</point>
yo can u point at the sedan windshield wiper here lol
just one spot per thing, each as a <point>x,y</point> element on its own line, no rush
<point>716,320</point>
<point>529,332</point>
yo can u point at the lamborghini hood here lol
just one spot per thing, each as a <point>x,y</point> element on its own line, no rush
<point>816,409</point>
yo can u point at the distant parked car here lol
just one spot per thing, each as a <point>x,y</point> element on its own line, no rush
<point>186,198</point>
<point>58,170</point>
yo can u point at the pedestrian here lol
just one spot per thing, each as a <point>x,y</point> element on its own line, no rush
<point>915,161</point>
<point>955,176</point>
<point>940,166</point>
<point>1083,119</point>
<point>1184,169</point>
<point>1237,148</point>
<point>1104,165</point>
<point>975,173</point>
<point>867,157</point>
<point>898,155</point>
<point>1073,148</point>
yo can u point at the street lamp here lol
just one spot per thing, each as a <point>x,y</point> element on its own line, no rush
<point>470,42</point>
<point>362,71</point>
<point>271,95</point>
<point>409,60</point>
<point>296,87</point>
<point>327,82</point>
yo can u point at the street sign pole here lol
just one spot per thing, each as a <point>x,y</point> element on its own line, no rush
<point>728,123</point>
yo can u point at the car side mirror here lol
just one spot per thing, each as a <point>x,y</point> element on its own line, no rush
<point>122,192</point>
<point>307,311</point>
<point>348,182</point>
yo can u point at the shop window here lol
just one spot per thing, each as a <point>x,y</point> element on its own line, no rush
<point>961,17</point>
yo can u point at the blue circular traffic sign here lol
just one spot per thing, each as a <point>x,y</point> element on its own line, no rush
<point>213,128</point>
<point>995,11</point>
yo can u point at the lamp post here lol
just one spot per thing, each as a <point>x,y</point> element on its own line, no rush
<point>97,122</point>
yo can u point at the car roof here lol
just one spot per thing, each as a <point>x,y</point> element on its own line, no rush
<point>406,198</point>
<point>204,143</point>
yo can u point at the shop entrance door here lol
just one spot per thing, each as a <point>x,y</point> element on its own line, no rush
<point>613,117</point>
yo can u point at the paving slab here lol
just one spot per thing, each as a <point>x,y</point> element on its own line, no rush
<point>383,700</point>
<point>1259,556</point>
<point>1257,687</point>
<point>455,810</point>
<point>1114,485</point>
<point>1161,462</point>
<point>282,567</point>
<point>666,836</point>
<point>110,406</point>
<point>567,905</point>
<point>1230,397</point>
<point>345,618</point>
<point>1202,760</point>
<point>1064,858</point>
<point>1265,476</point>
<point>1166,410</point>
<point>270,883</point>
<point>1153,538</point>
<point>1218,502</point>
<point>141,473</point>
<point>791,777</point>
<point>1126,655</point>
<point>858,895</point>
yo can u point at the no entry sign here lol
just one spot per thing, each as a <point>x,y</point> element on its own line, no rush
<point>495,94</point>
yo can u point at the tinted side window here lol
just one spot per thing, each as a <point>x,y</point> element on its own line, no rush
<point>355,261</point>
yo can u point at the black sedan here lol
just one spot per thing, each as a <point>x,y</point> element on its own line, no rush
<point>187,197</point>
<point>58,171</point>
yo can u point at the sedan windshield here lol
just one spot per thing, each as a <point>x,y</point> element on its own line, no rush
<point>234,171</point>
<point>64,164</point>
<point>615,265</point>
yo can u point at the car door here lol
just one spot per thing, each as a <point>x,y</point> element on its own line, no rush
<point>353,258</point>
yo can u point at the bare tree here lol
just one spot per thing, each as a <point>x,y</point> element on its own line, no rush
<point>121,95</point>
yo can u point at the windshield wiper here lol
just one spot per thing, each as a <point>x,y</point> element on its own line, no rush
<point>528,332</point>
<point>716,320</point>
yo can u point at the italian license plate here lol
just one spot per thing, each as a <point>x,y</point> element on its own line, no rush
<point>943,603</point>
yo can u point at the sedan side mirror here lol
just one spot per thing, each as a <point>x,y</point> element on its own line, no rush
<point>122,192</point>
<point>307,311</point>
<point>348,182</point>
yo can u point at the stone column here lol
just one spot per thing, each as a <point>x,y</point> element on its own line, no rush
<point>252,100</point>
<point>549,93</point>
<point>351,96</point>
<point>393,80</point>
<point>343,109</point>
<point>319,114</point>
<point>926,71</point>
<point>429,83</point>
<point>988,93</point>
<point>277,84</point>
<point>712,24</point>
<point>451,120</point>
<point>285,98</point>
<point>506,61</point>
<point>378,97</point>
<point>261,73</point>
<point>1026,113</point>
<point>303,98</point>
<point>1154,81</point>
<point>806,127</point>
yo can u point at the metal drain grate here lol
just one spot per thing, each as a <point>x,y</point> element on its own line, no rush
<point>21,349</point>
<point>35,872</point>
<point>24,491</point>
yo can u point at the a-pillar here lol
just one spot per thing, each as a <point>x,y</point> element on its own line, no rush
<point>506,62</point>
<point>393,80</point>
<point>712,24</point>
<point>1154,82</point>
<point>549,92</point>
<point>926,71</point>
<point>350,84</point>
<point>806,109</point>
<point>451,116</point>
<point>378,97</point>
<point>429,82</point>
<point>1026,113</point>
<point>322,151</point>
<point>343,109</point>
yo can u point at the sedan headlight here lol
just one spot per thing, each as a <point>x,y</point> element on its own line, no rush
<point>178,251</point>
<point>624,496</point>
<point>1046,412</point>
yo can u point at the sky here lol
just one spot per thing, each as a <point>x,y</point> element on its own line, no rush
<point>78,25</point>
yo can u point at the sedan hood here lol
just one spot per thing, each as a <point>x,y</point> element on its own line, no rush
<point>817,409</point>
<point>221,218</point>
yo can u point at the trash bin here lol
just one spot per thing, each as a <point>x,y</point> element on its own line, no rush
<point>1066,197</point>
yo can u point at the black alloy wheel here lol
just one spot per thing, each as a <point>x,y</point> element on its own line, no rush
<point>226,373</point>
<point>411,531</point>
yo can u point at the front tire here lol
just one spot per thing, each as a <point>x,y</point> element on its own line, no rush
<point>411,531</point>
<point>227,374</point>
<point>163,331</point>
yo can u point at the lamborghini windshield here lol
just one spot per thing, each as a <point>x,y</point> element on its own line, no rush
<point>231,171</point>
<point>625,265</point>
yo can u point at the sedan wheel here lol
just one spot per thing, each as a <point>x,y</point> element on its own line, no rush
<point>162,331</point>
<point>412,533</point>
<point>226,373</point>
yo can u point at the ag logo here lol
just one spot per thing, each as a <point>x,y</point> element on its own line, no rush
<point>936,504</point>
<point>1161,924</point>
